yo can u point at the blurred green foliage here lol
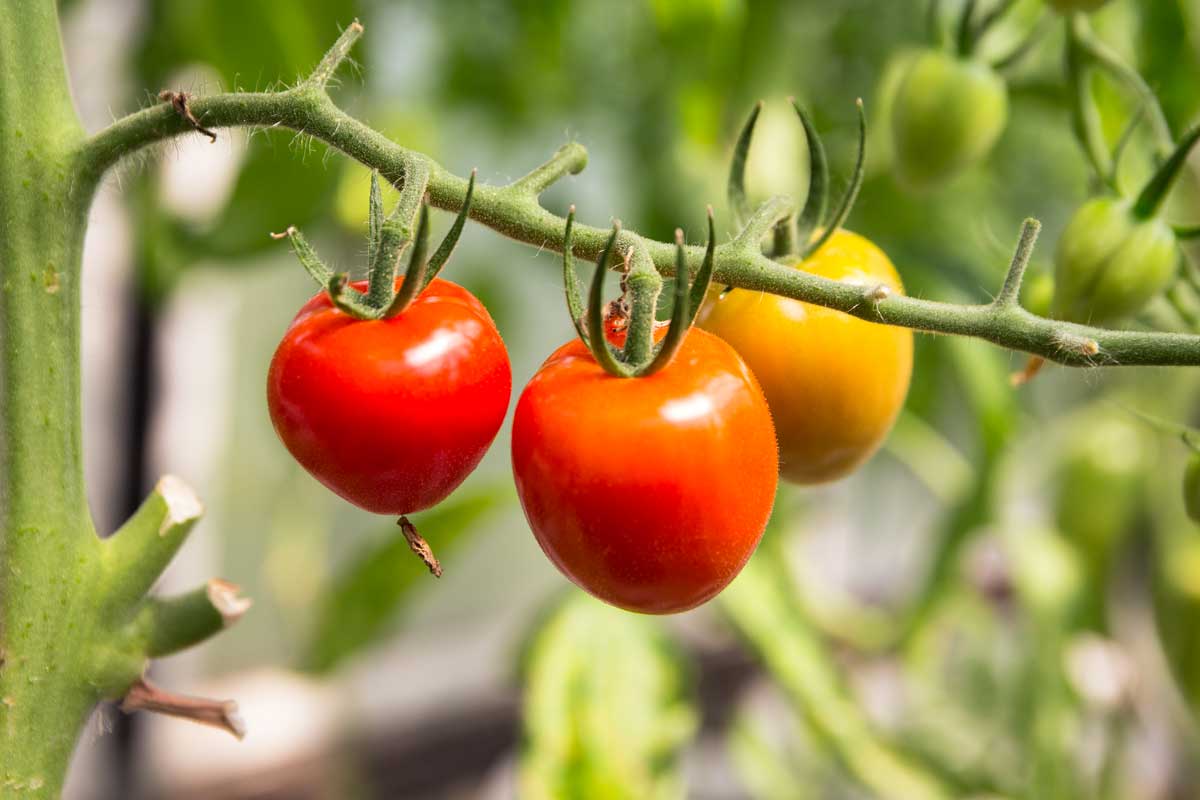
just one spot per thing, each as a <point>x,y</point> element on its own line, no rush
<point>606,707</point>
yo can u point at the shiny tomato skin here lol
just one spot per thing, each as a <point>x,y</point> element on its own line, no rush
<point>650,493</point>
<point>393,414</point>
<point>835,383</point>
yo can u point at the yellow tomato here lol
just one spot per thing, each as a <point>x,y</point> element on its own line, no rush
<point>834,383</point>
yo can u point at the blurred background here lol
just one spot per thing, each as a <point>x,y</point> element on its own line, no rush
<point>981,611</point>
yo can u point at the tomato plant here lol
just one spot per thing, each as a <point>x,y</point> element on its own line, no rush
<point>391,414</point>
<point>834,383</point>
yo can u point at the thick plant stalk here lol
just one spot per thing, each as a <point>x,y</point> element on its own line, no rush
<point>48,549</point>
<point>75,624</point>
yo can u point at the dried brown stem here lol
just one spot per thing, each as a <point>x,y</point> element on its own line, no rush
<point>420,546</point>
<point>223,714</point>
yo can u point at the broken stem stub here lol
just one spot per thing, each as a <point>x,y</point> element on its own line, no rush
<point>419,546</point>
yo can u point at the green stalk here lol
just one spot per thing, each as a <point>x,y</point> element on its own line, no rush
<point>48,548</point>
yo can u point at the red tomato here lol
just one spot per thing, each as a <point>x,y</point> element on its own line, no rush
<point>391,414</point>
<point>650,493</point>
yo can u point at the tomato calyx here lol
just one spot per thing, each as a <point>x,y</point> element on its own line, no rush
<point>634,316</point>
<point>387,239</point>
<point>798,236</point>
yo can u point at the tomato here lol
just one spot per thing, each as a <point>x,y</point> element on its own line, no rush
<point>835,383</point>
<point>391,414</point>
<point>946,115</point>
<point>1109,264</point>
<point>1191,488</point>
<point>650,493</point>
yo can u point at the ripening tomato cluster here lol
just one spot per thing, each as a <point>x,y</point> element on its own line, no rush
<point>391,404</point>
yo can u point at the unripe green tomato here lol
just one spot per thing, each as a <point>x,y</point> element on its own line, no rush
<point>1191,488</point>
<point>1109,264</point>
<point>946,116</point>
<point>1067,6</point>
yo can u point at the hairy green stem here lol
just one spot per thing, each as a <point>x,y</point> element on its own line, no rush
<point>514,211</point>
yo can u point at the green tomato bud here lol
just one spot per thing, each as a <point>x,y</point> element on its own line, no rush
<point>1191,488</point>
<point>947,114</point>
<point>1109,264</point>
<point>1067,6</point>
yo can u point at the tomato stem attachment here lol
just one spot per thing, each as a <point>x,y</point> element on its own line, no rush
<point>419,546</point>
<point>387,237</point>
<point>644,286</point>
<point>736,191</point>
<point>856,182</point>
<point>1154,194</point>
<point>687,300</point>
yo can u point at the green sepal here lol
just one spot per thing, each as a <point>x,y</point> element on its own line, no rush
<point>414,276</point>
<point>571,284</point>
<point>704,276</point>
<point>446,248</point>
<point>680,314</point>
<point>312,263</point>
<point>736,191</point>
<point>349,300</point>
<point>1155,192</point>
<point>1186,232</point>
<point>817,202</point>
<point>597,341</point>
<point>856,182</point>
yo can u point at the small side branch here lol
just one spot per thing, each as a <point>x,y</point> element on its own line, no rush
<point>570,159</point>
<point>223,714</point>
<point>764,220</point>
<point>334,57</point>
<point>179,101</point>
<point>166,625</point>
<point>1011,289</point>
<point>137,554</point>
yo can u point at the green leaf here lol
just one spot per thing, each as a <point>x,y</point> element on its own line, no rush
<point>606,707</point>
<point>353,613</point>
